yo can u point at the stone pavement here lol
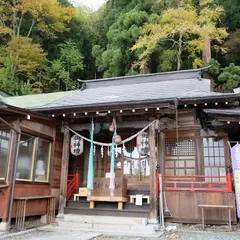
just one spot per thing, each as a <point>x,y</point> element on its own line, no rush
<point>54,235</point>
<point>80,235</point>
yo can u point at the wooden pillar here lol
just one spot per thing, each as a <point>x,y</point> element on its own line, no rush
<point>199,168</point>
<point>122,163</point>
<point>153,164</point>
<point>64,173</point>
<point>10,181</point>
<point>161,152</point>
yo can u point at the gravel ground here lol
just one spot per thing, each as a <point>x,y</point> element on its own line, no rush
<point>181,236</point>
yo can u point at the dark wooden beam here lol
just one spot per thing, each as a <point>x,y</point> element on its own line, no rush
<point>161,151</point>
<point>64,173</point>
<point>105,126</point>
<point>153,164</point>
<point>9,125</point>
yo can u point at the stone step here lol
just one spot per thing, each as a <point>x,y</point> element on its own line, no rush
<point>102,219</point>
<point>108,228</point>
<point>142,213</point>
<point>106,205</point>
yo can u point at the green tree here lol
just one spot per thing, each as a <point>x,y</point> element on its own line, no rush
<point>62,71</point>
<point>230,77</point>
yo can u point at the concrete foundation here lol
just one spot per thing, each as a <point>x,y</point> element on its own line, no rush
<point>43,219</point>
<point>107,224</point>
<point>3,226</point>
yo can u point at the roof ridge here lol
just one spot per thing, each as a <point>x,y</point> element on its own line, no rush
<point>141,75</point>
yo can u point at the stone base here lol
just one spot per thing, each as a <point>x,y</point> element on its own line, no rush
<point>60,216</point>
<point>43,219</point>
<point>153,221</point>
<point>4,226</point>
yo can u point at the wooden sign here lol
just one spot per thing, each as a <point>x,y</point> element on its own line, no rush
<point>101,187</point>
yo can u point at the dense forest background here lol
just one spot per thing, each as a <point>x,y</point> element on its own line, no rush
<point>46,45</point>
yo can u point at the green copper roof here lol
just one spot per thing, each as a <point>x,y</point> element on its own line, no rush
<point>35,100</point>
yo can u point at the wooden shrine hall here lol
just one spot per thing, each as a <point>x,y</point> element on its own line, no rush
<point>139,123</point>
<point>118,135</point>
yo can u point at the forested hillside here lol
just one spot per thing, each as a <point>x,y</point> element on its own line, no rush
<point>46,45</point>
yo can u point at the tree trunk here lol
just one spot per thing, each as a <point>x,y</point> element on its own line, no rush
<point>179,55</point>
<point>145,70</point>
<point>206,56</point>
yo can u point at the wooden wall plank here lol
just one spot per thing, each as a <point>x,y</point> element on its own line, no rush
<point>37,128</point>
<point>57,161</point>
<point>183,206</point>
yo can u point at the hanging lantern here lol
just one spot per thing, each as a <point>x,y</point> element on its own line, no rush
<point>117,139</point>
<point>76,145</point>
<point>142,143</point>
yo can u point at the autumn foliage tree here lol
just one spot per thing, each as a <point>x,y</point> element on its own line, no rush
<point>19,20</point>
<point>187,28</point>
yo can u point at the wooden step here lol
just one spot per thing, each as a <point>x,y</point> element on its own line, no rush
<point>106,205</point>
<point>107,212</point>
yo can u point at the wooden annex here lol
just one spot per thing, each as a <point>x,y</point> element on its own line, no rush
<point>24,191</point>
<point>184,140</point>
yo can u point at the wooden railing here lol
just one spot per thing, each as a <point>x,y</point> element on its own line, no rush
<point>72,185</point>
<point>198,183</point>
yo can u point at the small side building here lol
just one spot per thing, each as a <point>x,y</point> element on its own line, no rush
<point>30,163</point>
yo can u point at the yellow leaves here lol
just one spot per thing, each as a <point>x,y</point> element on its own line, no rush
<point>27,57</point>
<point>195,26</point>
<point>210,15</point>
<point>48,15</point>
<point>197,63</point>
<point>5,30</point>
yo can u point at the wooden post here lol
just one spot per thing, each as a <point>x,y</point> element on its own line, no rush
<point>199,146</point>
<point>64,173</point>
<point>105,156</point>
<point>10,177</point>
<point>161,152</point>
<point>153,164</point>
<point>122,163</point>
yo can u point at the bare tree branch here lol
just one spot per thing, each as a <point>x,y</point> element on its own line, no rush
<point>31,28</point>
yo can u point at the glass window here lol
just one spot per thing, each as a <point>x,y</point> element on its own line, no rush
<point>4,143</point>
<point>33,159</point>
<point>25,157</point>
<point>42,160</point>
<point>215,151</point>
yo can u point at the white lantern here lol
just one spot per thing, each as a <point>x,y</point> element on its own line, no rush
<point>142,143</point>
<point>76,145</point>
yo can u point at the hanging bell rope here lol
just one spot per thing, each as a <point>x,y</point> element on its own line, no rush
<point>112,173</point>
<point>110,144</point>
<point>90,165</point>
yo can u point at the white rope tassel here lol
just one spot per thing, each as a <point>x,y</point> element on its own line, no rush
<point>102,151</point>
<point>124,148</point>
<point>94,150</point>
<point>108,151</point>
<point>116,153</point>
<point>88,195</point>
